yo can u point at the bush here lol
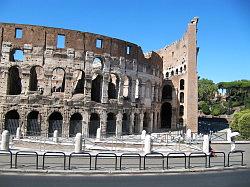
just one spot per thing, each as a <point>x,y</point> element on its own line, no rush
<point>244,126</point>
<point>205,108</point>
<point>218,109</point>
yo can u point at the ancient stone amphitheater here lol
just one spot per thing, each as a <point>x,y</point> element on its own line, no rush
<point>73,81</point>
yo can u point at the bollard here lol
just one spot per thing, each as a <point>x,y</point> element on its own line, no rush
<point>189,135</point>
<point>147,144</point>
<point>143,134</point>
<point>78,143</point>
<point>5,141</point>
<point>98,134</point>
<point>229,131</point>
<point>205,145</point>
<point>55,136</point>
<point>18,133</point>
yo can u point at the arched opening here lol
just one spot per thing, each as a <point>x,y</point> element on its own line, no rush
<point>166,115</point>
<point>172,73</point>
<point>167,92</point>
<point>97,64</point>
<point>137,89</point>
<point>75,125</point>
<point>185,67</point>
<point>181,97</point>
<point>176,71</point>
<point>14,81</point>
<point>58,80</point>
<point>16,55</point>
<point>181,111</point>
<point>36,78</point>
<point>182,82</point>
<point>33,124</point>
<point>127,88</point>
<point>111,123</point>
<point>167,74</point>
<point>125,124</point>
<point>113,86</point>
<point>181,70</point>
<point>94,124</point>
<point>136,124</point>
<point>78,84</point>
<point>96,87</point>
<point>146,120</point>
<point>55,123</point>
<point>11,121</point>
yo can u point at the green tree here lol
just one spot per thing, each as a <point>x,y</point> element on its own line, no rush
<point>218,109</point>
<point>206,89</point>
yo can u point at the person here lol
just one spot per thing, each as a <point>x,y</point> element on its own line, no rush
<point>211,151</point>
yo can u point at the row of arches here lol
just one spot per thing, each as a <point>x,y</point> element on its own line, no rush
<point>176,71</point>
<point>55,122</point>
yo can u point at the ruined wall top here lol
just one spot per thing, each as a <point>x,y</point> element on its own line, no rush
<point>41,36</point>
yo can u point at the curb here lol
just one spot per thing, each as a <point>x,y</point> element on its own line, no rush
<point>117,172</point>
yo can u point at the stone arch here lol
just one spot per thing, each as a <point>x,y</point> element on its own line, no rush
<point>97,63</point>
<point>166,115</point>
<point>94,124</point>
<point>78,82</point>
<point>36,78</point>
<point>55,123</point>
<point>125,124</point>
<point>182,84</point>
<point>14,81</point>
<point>181,110</point>
<point>113,86</point>
<point>96,88</point>
<point>182,97</point>
<point>58,80</point>
<point>111,123</point>
<point>127,87</point>
<point>75,125</point>
<point>167,92</point>
<point>33,124</point>
<point>11,121</point>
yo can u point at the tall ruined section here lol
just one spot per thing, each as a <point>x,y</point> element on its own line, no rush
<point>180,80</point>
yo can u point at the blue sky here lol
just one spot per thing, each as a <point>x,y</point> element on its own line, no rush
<point>223,30</point>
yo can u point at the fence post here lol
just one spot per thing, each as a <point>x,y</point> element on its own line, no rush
<point>5,140</point>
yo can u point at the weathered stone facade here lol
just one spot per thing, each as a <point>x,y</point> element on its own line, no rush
<point>92,81</point>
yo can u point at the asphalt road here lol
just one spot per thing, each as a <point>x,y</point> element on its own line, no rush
<point>235,178</point>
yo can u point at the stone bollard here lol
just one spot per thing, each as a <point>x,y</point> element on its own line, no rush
<point>147,144</point>
<point>205,145</point>
<point>78,143</point>
<point>143,134</point>
<point>55,136</point>
<point>229,131</point>
<point>18,133</point>
<point>98,134</point>
<point>5,141</point>
<point>189,135</point>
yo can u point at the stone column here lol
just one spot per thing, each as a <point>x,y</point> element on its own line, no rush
<point>47,88</point>
<point>78,143</point>
<point>105,83</point>
<point>141,115</point>
<point>4,80</point>
<point>151,122</point>
<point>25,81</point>
<point>120,91</point>
<point>132,92</point>
<point>87,87</point>
<point>103,123</point>
<point>65,124</point>
<point>118,124</point>
<point>142,91</point>
<point>68,86</point>
<point>85,124</point>
<point>156,94</point>
<point>131,123</point>
<point>153,93</point>
<point>155,122</point>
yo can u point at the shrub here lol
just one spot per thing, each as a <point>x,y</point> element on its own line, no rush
<point>205,108</point>
<point>218,109</point>
<point>244,126</point>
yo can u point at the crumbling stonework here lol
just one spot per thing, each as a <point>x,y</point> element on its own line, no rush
<point>93,81</point>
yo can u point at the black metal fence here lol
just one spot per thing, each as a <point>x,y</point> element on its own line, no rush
<point>113,161</point>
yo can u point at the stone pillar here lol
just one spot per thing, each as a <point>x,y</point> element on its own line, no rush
<point>105,83</point>
<point>66,123</point>
<point>155,122</point>
<point>47,88</point>
<point>229,131</point>
<point>120,91</point>
<point>153,93</point>
<point>85,124</point>
<point>143,134</point>
<point>188,135</point>
<point>131,123</point>
<point>18,133</point>
<point>4,81</point>
<point>68,86</point>
<point>132,92</point>
<point>78,143</point>
<point>103,123</point>
<point>25,81</point>
<point>141,121</point>
<point>151,122</point>
<point>119,124</point>
<point>156,94</point>
<point>5,140</point>
<point>87,87</point>
<point>55,136</point>
<point>142,91</point>
<point>98,134</point>
<point>147,144</point>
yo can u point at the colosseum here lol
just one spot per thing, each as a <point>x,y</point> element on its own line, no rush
<point>73,81</point>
